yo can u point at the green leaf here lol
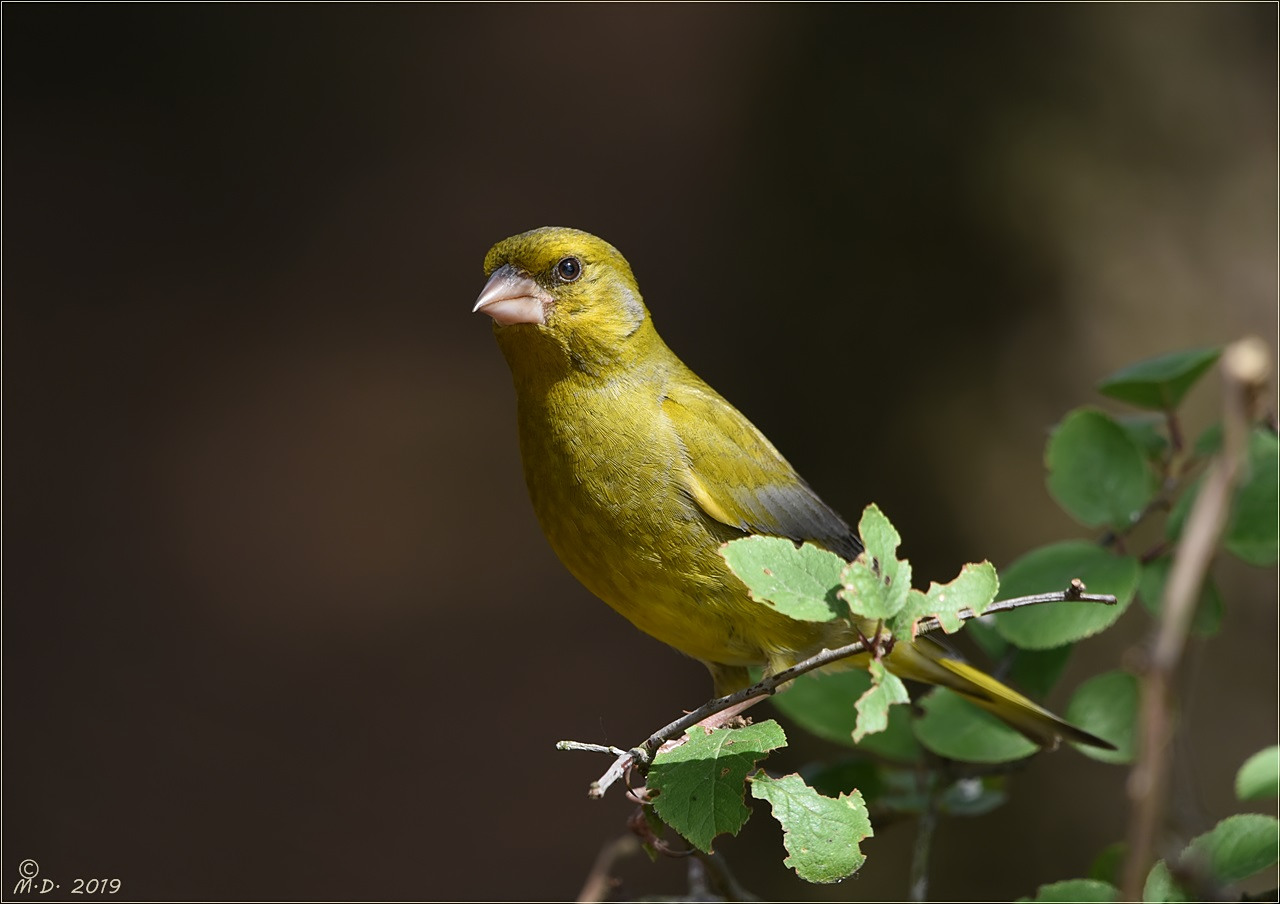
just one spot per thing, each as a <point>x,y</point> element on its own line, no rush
<point>1097,473</point>
<point>1107,865</point>
<point>821,834</point>
<point>1159,383</point>
<point>974,588</point>
<point>871,595</point>
<point>897,741</point>
<point>1052,568</point>
<point>1260,775</point>
<point>1036,672</point>
<point>1251,535</point>
<point>876,584</point>
<point>799,582</point>
<point>1236,848</point>
<point>1161,886</point>
<point>955,728</point>
<point>1208,615</point>
<point>1147,432</point>
<point>1076,890</point>
<point>700,783</point>
<point>1107,705</point>
<point>1251,531</point>
<point>873,706</point>
<point>822,703</point>
<point>879,537</point>
<point>982,631</point>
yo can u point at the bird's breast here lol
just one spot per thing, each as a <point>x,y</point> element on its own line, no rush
<point>604,471</point>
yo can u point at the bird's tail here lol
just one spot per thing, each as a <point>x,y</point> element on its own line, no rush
<point>928,661</point>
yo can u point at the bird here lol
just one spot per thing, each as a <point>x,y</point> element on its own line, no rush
<point>639,472</point>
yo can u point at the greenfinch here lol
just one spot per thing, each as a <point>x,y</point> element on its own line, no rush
<point>639,472</point>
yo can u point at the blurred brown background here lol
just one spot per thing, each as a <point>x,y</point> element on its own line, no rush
<point>278,622</point>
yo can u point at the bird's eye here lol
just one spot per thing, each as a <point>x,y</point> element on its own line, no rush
<point>569,269</point>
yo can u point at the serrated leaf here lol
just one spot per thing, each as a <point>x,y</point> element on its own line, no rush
<point>798,582</point>
<point>1076,890</point>
<point>873,706</point>
<point>1208,615</point>
<point>821,834</point>
<point>876,584</point>
<point>1260,775</point>
<point>1159,383</point>
<point>1052,568</point>
<point>973,588</point>
<point>822,703</point>
<point>700,783</point>
<point>872,595</point>
<point>1097,473</point>
<point>1236,848</point>
<point>955,728</point>
<point>1107,706</point>
<point>879,536</point>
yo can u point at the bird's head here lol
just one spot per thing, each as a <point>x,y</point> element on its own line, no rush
<point>564,289</point>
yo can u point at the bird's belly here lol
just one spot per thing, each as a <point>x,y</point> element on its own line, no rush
<point>615,515</point>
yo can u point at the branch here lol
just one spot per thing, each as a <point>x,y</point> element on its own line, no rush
<point>928,824</point>
<point>1245,367</point>
<point>644,753</point>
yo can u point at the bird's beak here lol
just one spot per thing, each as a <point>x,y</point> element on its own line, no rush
<point>511,296</point>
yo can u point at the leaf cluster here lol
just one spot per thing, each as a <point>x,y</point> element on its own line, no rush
<point>1129,478</point>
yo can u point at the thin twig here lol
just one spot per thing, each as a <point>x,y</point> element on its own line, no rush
<point>1245,367</point>
<point>589,748</point>
<point>925,826</point>
<point>643,754</point>
<point>600,880</point>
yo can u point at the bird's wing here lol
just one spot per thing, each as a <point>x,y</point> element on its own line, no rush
<point>737,477</point>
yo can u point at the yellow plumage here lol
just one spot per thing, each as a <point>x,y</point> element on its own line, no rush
<point>639,471</point>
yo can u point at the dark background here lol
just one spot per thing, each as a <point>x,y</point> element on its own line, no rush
<point>278,621</point>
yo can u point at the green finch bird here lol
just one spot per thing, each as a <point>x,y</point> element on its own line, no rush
<point>639,471</point>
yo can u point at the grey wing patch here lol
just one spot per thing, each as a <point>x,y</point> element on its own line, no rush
<point>798,513</point>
